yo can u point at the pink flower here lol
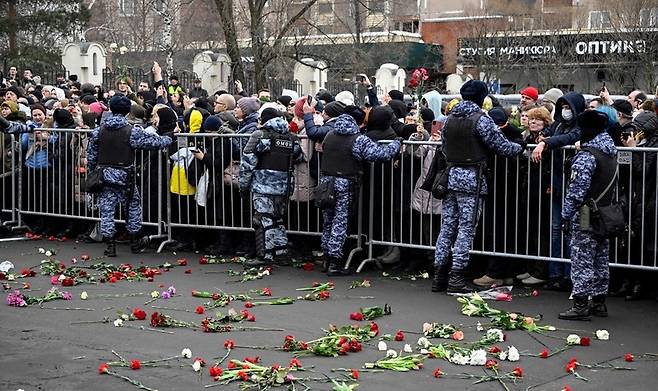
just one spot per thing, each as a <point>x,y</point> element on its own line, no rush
<point>503,297</point>
<point>54,280</point>
<point>16,299</point>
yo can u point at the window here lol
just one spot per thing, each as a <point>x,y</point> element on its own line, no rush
<point>377,6</point>
<point>94,64</point>
<point>649,17</point>
<point>127,7</point>
<point>598,20</point>
<point>325,8</point>
<point>410,26</point>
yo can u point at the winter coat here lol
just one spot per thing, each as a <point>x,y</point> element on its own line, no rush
<point>317,132</point>
<point>38,155</point>
<point>266,181</point>
<point>247,126</point>
<point>422,200</point>
<point>304,182</point>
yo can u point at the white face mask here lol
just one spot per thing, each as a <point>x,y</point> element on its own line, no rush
<point>567,115</point>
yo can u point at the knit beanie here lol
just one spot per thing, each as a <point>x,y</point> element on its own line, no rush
<point>228,100</point>
<point>552,95</point>
<point>212,124</point>
<point>346,97</point>
<point>427,115</point>
<point>11,104</point>
<point>299,107</point>
<point>268,114</point>
<point>120,104</point>
<point>498,115</point>
<point>334,109</point>
<point>530,92</point>
<point>167,120</point>
<point>62,118</point>
<point>38,106</point>
<point>399,108</point>
<point>97,108</point>
<point>249,105</point>
<point>15,90</point>
<point>475,91</point>
<point>396,95</point>
<point>285,100</point>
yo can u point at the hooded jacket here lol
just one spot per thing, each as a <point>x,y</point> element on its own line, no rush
<point>265,181</point>
<point>247,126</point>
<point>563,133</point>
<point>379,123</point>
<point>463,179</point>
<point>582,171</point>
<point>139,139</point>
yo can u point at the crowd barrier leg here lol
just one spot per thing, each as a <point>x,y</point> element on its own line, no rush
<point>15,223</point>
<point>371,220</point>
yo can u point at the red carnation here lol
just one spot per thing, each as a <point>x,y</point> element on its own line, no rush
<point>399,336</point>
<point>308,266</point>
<point>374,328</point>
<point>103,368</point>
<point>200,310</point>
<point>135,364</point>
<point>182,262</point>
<point>544,353</point>
<point>437,373</point>
<point>113,279</point>
<point>188,271</point>
<point>584,341</point>
<point>251,318</point>
<point>629,357</point>
<point>266,292</point>
<point>216,296</point>
<point>517,372</point>
<point>494,350</point>
<point>215,371</point>
<point>243,375</point>
<point>229,344</point>
<point>324,295</point>
<point>535,293</point>
<point>68,281</point>
<point>28,273</point>
<point>355,374</point>
<point>139,313</point>
<point>491,364</point>
<point>358,316</point>
<point>253,360</point>
<point>295,363</point>
<point>249,304</point>
<point>201,361</point>
<point>231,365</point>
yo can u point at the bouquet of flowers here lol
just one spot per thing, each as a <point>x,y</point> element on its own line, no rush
<point>370,313</point>
<point>418,78</point>
<point>17,299</point>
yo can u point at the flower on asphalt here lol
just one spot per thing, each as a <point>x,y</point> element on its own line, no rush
<point>459,359</point>
<point>573,339</point>
<point>497,334</point>
<point>118,322</point>
<point>491,364</point>
<point>103,368</point>
<point>382,346</point>
<point>424,342</point>
<point>229,344</point>
<point>355,374</point>
<point>517,372</point>
<point>458,335</point>
<point>215,371</point>
<point>399,336</point>
<point>171,290</point>
<point>479,327</point>
<point>628,357</point>
<point>478,357</point>
<point>585,341</point>
<point>426,327</point>
<point>196,365</point>
<point>391,353</point>
<point>603,335</point>
<point>135,364</point>
<point>155,294</point>
<point>186,353</point>
<point>84,295</point>
<point>49,253</point>
<point>544,353</point>
<point>42,250</point>
<point>166,295</point>
<point>437,373</point>
<point>407,348</point>
<point>513,354</point>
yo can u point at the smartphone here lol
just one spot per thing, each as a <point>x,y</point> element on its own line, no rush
<point>309,100</point>
<point>194,149</point>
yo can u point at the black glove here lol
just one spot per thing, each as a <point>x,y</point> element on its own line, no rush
<point>4,124</point>
<point>566,227</point>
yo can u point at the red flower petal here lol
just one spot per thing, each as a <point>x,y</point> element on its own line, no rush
<point>200,310</point>
<point>584,341</point>
<point>103,368</point>
<point>355,374</point>
<point>135,364</point>
<point>628,357</point>
<point>437,373</point>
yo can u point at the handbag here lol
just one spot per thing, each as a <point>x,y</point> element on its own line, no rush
<point>232,175</point>
<point>95,181</point>
<point>323,194</point>
<point>608,220</point>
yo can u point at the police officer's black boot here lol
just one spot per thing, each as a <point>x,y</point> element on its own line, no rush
<point>336,267</point>
<point>579,311</point>
<point>457,283</point>
<point>597,306</point>
<point>138,243</point>
<point>440,280</point>
<point>111,250</point>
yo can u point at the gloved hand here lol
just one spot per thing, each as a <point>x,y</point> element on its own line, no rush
<point>566,227</point>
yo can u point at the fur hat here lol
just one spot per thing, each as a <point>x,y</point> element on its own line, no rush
<point>475,91</point>
<point>591,123</point>
<point>15,90</point>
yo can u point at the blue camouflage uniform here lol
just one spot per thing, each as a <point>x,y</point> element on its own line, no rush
<point>335,220</point>
<point>589,253</point>
<point>461,202</point>
<point>116,189</point>
<point>270,190</point>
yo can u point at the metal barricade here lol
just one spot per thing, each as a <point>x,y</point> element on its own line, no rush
<point>521,215</point>
<point>8,179</point>
<point>52,171</point>
<point>224,207</point>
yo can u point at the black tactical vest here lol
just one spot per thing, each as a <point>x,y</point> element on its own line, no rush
<point>337,158</point>
<point>279,156</point>
<point>606,168</point>
<point>461,145</point>
<point>114,148</point>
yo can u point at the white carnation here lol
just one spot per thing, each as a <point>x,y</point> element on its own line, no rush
<point>573,339</point>
<point>186,353</point>
<point>118,322</point>
<point>196,366</point>
<point>391,353</point>
<point>407,348</point>
<point>458,359</point>
<point>603,335</point>
<point>498,334</point>
<point>424,342</point>
<point>513,354</point>
<point>382,346</point>
<point>478,357</point>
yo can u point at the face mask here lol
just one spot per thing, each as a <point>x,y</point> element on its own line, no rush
<point>567,115</point>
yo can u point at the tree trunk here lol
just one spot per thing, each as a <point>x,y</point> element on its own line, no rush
<point>225,8</point>
<point>167,42</point>
<point>11,14</point>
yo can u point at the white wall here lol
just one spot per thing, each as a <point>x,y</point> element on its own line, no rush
<point>87,64</point>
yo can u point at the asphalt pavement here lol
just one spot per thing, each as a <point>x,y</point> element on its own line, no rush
<point>43,350</point>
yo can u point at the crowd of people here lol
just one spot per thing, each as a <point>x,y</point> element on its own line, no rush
<point>278,151</point>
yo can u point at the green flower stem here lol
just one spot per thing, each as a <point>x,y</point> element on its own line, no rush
<point>170,308</point>
<point>131,381</point>
<point>331,337</point>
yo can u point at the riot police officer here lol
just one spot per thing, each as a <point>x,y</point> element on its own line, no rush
<point>266,171</point>
<point>112,149</point>
<point>469,136</point>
